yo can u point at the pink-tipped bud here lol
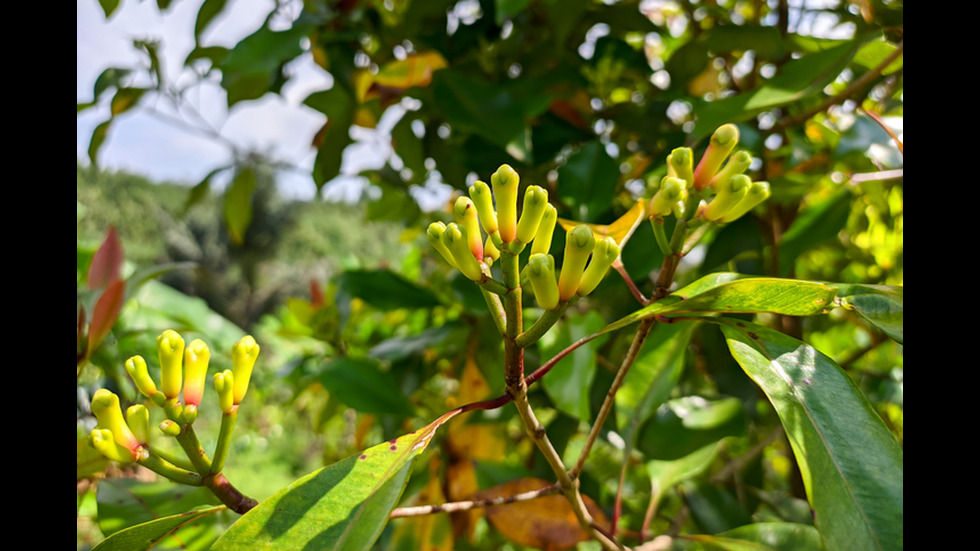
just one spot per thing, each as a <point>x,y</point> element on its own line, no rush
<point>196,358</point>
<point>104,441</point>
<point>106,408</point>
<point>722,143</point>
<point>482,198</point>
<point>455,240</point>
<point>466,217</point>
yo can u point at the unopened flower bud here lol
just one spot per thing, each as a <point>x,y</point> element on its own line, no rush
<point>170,428</point>
<point>224,386</point>
<point>138,372</point>
<point>106,408</point>
<point>757,193</point>
<point>672,191</point>
<point>196,358</point>
<point>578,245</point>
<point>103,440</point>
<point>680,164</point>
<point>170,347</point>
<point>541,273</point>
<point>466,217</point>
<point>243,355</point>
<point>490,251</point>
<point>434,235</point>
<point>482,198</point>
<point>546,230</point>
<point>606,252</point>
<point>506,182</point>
<point>455,240</point>
<point>737,164</point>
<point>535,204</point>
<point>729,195</point>
<point>722,143</point>
<point>138,420</point>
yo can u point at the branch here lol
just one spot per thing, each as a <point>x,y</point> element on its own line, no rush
<point>456,506</point>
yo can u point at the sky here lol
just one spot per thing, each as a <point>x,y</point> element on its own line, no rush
<point>148,144</point>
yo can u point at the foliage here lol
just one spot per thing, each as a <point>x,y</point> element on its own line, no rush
<point>733,382</point>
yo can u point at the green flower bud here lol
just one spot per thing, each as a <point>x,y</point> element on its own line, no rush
<point>170,428</point>
<point>483,201</point>
<point>138,372</point>
<point>465,214</point>
<point>454,238</point>
<point>729,195</point>
<point>434,235</point>
<point>672,191</point>
<point>578,245</point>
<point>722,143</point>
<point>196,358</point>
<point>105,406</point>
<point>757,193</point>
<point>170,347</point>
<point>680,164</point>
<point>606,252</point>
<point>490,251</point>
<point>737,164</point>
<point>541,273</point>
<point>535,203</point>
<point>103,441</point>
<point>243,355</point>
<point>505,183</point>
<point>224,385</point>
<point>138,420</point>
<point>546,230</point>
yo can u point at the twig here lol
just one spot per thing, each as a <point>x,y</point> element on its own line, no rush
<point>456,506</point>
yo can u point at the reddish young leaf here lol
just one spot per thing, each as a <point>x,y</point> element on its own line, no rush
<point>107,263</point>
<point>105,313</point>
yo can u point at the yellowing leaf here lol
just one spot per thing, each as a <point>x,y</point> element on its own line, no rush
<point>546,523</point>
<point>620,230</point>
<point>414,70</point>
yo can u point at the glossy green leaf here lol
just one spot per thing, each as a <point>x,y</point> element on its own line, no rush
<point>342,507</point>
<point>193,530</point>
<point>654,374</point>
<point>813,226</point>
<point>686,425</point>
<point>126,502</point>
<point>588,180</point>
<point>760,536</point>
<point>735,293</point>
<point>385,290</point>
<point>852,466</point>
<point>881,305</point>
<point>362,385</point>
<point>667,473</point>
<point>238,204</point>
<point>570,381</point>
<point>798,79</point>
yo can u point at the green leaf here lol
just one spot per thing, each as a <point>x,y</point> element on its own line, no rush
<point>362,385</point>
<point>338,105</point>
<point>852,466</point>
<point>255,65</point>
<point>570,382</point>
<point>109,6</point>
<point>772,536</point>
<point>98,138</point>
<point>799,78</point>
<point>713,507</point>
<point>814,226</point>
<point>686,425</point>
<point>654,373</point>
<point>124,502</point>
<point>190,530</point>
<point>588,181</point>
<point>385,290</point>
<point>125,99</point>
<point>881,305</point>
<point>209,10</point>
<point>109,78</point>
<point>343,507</point>
<point>735,293</point>
<point>238,204</point>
